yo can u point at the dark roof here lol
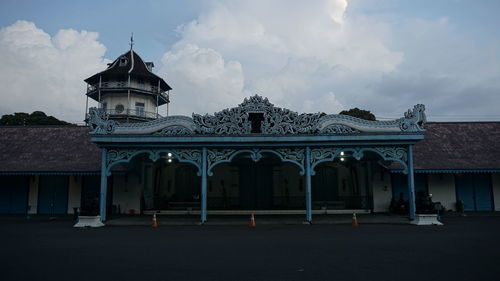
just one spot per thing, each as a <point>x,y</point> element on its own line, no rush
<point>446,146</point>
<point>137,68</point>
<point>459,146</point>
<point>48,149</point>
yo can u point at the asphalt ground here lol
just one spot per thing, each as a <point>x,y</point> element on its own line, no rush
<point>465,248</point>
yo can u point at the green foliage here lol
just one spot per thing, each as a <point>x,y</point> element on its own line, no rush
<point>359,113</point>
<point>25,119</point>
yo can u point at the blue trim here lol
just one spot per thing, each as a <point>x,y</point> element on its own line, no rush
<point>153,155</point>
<point>252,145</point>
<point>252,139</point>
<point>358,153</point>
<point>301,166</point>
<point>104,184</point>
<point>444,171</point>
<point>308,185</point>
<point>49,173</point>
<point>256,154</point>
<point>204,185</point>
<point>230,159</point>
<point>411,183</point>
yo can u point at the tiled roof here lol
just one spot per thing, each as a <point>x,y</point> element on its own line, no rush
<point>137,69</point>
<point>48,149</point>
<point>459,146</point>
<point>446,146</point>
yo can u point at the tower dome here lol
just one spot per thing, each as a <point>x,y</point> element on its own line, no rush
<point>128,89</point>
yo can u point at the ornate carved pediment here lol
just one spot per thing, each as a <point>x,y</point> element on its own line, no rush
<point>256,115</point>
<point>274,120</point>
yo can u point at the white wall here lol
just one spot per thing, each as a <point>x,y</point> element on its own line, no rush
<point>442,188</point>
<point>495,182</point>
<point>382,190</point>
<point>121,98</point>
<point>33,194</point>
<point>74,192</point>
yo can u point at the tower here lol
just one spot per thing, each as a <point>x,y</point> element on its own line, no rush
<point>128,89</point>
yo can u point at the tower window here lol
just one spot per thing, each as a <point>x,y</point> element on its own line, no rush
<point>139,108</point>
<point>123,61</point>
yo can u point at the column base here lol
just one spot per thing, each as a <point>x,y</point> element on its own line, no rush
<point>89,221</point>
<point>426,219</point>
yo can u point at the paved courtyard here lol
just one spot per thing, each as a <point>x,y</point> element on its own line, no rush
<point>466,248</point>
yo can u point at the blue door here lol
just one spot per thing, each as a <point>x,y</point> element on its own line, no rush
<point>482,188</point>
<point>53,195</point>
<point>475,191</point>
<point>14,194</point>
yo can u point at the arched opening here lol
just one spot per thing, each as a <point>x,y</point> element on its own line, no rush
<point>245,184</point>
<point>342,186</point>
<point>347,183</point>
<point>166,184</point>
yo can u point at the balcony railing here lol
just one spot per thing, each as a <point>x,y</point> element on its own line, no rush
<point>114,85</point>
<point>133,113</point>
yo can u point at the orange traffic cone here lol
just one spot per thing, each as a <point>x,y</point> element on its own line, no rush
<point>354,220</point>
<point>252,221</point>
<point>154,223</point>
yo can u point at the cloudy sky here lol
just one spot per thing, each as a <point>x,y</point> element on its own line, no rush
<point>309,56</point>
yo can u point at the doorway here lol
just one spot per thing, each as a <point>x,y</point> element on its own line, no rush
<point>475,191</point>
<point>256,186</point>
<point>53,195</point>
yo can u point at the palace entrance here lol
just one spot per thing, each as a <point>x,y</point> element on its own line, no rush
<point>256,187</point>
<point>259,157</point>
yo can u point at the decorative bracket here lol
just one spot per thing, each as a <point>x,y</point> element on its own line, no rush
<point>387,153</point>
<point>216,156</point>
<point>115,156</point>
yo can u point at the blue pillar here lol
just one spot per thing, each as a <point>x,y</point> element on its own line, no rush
<point>104,185</point>
<point>411,183</point>
<point>308,185</point>
<point>204,185</point>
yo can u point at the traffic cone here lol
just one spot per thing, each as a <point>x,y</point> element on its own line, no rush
<point>354,220</point>
<point>252,221</point>
<point>154,223</point>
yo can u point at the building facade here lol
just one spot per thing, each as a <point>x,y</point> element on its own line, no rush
<point>252,158</point>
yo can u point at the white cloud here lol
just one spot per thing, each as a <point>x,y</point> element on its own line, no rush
<point>203,81</point>
<point>296,53</point>
<point>308,56</point>
<point>453,73</point>
<point>314,56</point>
<point>43,72</point>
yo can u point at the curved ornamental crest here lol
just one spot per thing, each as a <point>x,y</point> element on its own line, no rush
<point>256,115</point>
<point>274,120</point>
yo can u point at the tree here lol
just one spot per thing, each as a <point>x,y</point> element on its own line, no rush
<point>25,119</point>
<point>359,113</point>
